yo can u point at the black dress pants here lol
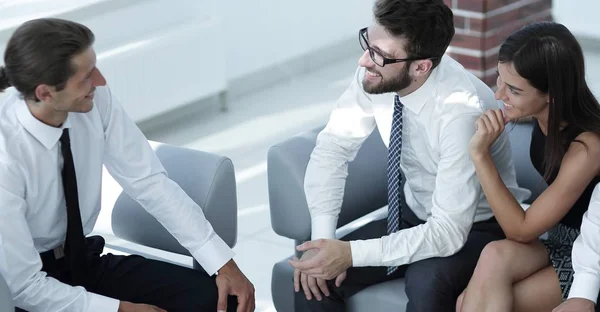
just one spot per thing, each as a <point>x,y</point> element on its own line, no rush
<point>431,285</point>
<point>140,280</point>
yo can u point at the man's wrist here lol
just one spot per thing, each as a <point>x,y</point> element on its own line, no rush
<point>124,306</point>
<point>228,267</point>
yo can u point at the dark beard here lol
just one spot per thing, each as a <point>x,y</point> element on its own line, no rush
<point>394,84</point>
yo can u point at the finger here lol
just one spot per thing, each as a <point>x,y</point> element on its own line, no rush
<point>323,286</point>
<point>480,125</point>
<point>310,245</point>
<point>222,301</point>
<point>304,265</point>
<point>312,284</point>
<point>297,280</point>
<point>252,305</point>
<point>243,304</point>
<point>501,118</point>
<point>340,279</point>
<point>491,116</point>
<point>316,272</point>
<point>487,122</point>
<point>305,287</point>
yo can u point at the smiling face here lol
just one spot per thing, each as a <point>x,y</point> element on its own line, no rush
<point>520,98</point>
<point>392,77</point>
<point>78,94</point>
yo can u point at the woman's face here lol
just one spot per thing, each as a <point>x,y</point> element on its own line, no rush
<point>520,98</point>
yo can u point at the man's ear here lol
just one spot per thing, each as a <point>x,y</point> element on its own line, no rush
<point>423,67</point>
<point>44,93</point>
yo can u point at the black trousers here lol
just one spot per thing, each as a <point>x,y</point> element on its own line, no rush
<point>140,280</point>
<point>432,285</point>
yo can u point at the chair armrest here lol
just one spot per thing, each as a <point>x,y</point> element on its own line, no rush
<point>365,191</point>
<point>207,178</point>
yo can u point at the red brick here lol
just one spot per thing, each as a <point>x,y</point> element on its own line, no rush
<point>448,3</point>
<point>490,61</point>
<point>490,80</point>
<point>467,41</point>
<point>546,17</point>
<point>496,39</point>
<point>491,5</point>
<point>459,22</point>
<point>469,62</point>
<point>470,5</point>
<point>477,24</point>
<point>517,15</point>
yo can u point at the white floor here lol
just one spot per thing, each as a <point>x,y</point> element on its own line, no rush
<point>244,133</point>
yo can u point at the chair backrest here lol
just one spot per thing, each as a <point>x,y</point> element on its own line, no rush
<point>208,179</point>
<point>366,184</point>
<point>527,176</point>
<point>6,299</point>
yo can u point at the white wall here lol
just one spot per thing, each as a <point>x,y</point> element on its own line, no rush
<point>580,16</point>
<point>149,49</point>
<point>261,33</point>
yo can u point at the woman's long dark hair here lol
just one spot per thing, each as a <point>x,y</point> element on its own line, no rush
<point>551,59</point>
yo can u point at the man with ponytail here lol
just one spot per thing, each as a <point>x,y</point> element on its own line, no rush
<point>58,126</point>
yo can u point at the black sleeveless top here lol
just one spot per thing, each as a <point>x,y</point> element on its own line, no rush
<point>536,152</point>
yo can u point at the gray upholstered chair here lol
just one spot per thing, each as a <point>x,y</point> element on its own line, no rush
<point>207,178</point>
<point>364,200</point>
<point>6,298</point>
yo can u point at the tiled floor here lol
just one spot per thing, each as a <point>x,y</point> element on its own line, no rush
<point>244,133</point>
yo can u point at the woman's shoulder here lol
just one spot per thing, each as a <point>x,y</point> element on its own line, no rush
<point>585,148</point>
<point>590,139</point>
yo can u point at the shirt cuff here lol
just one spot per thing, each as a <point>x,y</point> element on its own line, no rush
<point>366,253</point>
<point>586,286</point>
<point>213,254</point>
<point>323,227</point>
<point>99,303</point>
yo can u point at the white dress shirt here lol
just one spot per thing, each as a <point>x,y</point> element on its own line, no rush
<point>33,215</point>
<point>586,253</point>
<point>441,184</point>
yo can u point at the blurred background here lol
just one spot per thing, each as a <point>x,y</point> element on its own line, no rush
<point>236,77</point>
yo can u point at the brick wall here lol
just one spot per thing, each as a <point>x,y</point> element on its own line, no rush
<point>482,25</point>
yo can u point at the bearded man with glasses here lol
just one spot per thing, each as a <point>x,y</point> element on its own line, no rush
<point>425,105</point>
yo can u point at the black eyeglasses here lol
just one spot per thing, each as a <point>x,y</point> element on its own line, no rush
<point>379,59</point>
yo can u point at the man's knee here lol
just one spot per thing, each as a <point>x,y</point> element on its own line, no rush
<point>429,284</point>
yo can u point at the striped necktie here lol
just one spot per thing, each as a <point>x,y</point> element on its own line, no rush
<point>394,173</point>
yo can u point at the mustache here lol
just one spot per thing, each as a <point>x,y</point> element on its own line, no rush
<point>373,70</point>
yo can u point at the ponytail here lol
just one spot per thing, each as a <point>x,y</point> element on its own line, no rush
<point>4,82</point>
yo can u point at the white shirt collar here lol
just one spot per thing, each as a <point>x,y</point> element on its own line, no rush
<point>417,99</point>
<point>45,134</point>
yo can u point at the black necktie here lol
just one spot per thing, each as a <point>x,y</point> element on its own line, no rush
<point>75,245</point>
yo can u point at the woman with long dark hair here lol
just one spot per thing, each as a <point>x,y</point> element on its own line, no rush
<point>541,74</point>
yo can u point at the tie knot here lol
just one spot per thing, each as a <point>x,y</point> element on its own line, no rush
<point>64,138</point>
<point>397,101</point>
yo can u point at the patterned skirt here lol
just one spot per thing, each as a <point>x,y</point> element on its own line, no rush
<point>559,245</point>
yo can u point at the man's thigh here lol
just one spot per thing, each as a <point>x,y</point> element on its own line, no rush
<point>168,286</point>
<point>447,277</point>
